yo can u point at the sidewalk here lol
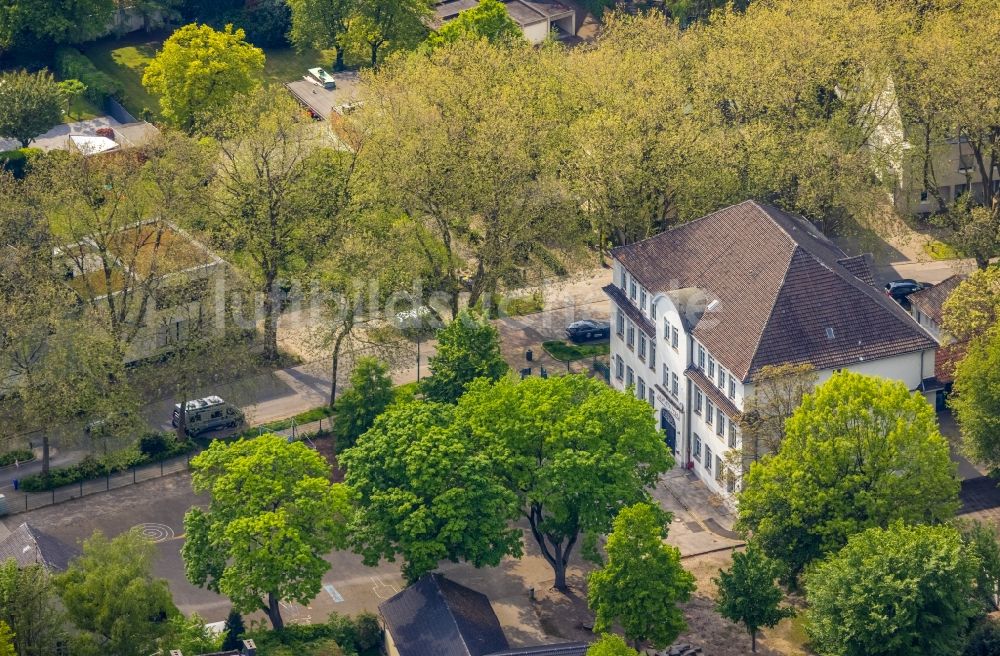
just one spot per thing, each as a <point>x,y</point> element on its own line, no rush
<point>701,524</point>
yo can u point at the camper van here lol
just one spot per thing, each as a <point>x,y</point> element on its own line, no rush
<point>208,414</point>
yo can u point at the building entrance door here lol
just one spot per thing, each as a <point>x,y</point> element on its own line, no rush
<point>670,430</point>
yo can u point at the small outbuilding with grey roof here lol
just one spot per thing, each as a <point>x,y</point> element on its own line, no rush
<point>29,546</point>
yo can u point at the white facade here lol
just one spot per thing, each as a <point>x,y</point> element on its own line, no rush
<point>694,398</point>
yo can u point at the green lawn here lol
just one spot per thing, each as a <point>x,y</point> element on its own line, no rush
<point>126,60</point>
<point>82,110</point>
<point>564,352</point>
<point>939,250</point>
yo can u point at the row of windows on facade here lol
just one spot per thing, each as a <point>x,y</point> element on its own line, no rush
<point>949,193</point>
<point>627,374</point>
<point>637,293</point>
<point>714,467</point>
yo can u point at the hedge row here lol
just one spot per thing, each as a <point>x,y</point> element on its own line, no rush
<point>361,635</point>
<point>17,455</point>
<point>154,447</point>
<point>73,64</point>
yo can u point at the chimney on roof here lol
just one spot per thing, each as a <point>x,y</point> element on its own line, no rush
<point>829,332</point>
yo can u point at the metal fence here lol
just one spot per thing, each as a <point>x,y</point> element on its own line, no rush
<point>23,502</point>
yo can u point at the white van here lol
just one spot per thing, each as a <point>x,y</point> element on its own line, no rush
<point>208,414</point>
<point>322,78</point>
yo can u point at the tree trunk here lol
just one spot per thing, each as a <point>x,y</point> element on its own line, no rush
<point>560,569</point>
<point>336,367</point>
<point>338,62</point>
<point>45,454</point>
<point>25,142</point>
<point>375,48</point>
<point>753,641</point>
<point>273,612</point>
<point>272,310</point>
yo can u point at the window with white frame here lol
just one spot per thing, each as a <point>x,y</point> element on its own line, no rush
<point>711,367</point>
<point>629,377</point>
<point>641,389</point>
<point>709,412</point>
<point>652,309</point>
<point>652,355</point>
<point>708,459</point>
<point>697,401</point>
<point>732,434</point>
<point>701,357</point>
<point>697,447</point>
<point>720,422</point>
<point>624,279</point>
<point>730,481</point>
<point>673,338</point>
<point>666,376</point>
<point>630,334</point>
<point>619,322</point>
<point>632,289</point>
<point>642,346</point>
<point>722,378</point>
<point>642,299</point>
<point>666,329</point>
<point>719,469</point>
<point>619,367</point>
<point>650,399</point>
<point>732,387</point>
<point>674,384</point>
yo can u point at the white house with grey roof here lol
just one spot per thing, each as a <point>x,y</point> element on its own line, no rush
<point>698,310</point>
<point>536,18</point>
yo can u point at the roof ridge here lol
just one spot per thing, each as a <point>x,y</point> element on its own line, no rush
<point>770,314</point>
<point>437,578</point>
<point>684,225</point>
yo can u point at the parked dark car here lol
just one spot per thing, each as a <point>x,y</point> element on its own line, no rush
<point>900,289</point>
<point>587,330</point>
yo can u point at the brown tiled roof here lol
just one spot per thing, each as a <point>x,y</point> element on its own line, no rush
<point>713,393</point>
<point>786,293</point>
<point>947,358</point>
<point>631,311</point>
<point>931,300</point>
<point>29,546</point>
<point>860,267</point>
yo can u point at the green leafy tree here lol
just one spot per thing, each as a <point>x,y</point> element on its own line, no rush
<point>859,452</point>
<point>111,596</point>
<point>370,394</point>
<point>976,399</point>
<point>322,24</point>
<point>234,631</point>
<point>892,592</point>
<point>6,640</point>
<point>427,493</point>
<point>71,91</point>
<point>200,70</point>
<point>981,540</point>
<point>748,593</point>
<point>610,644</point>
<point>389,24</point>
<point>468,348</point>
<point>272,516</point>
<point>643,580</point>
<point>190,635</point>
<point>984,639</point>
<point>60,21</point>
<point>30,608</point>
<point>270,208</point>
<point>574,451</point>
<point>488,20</point>
<point>30,105</point>
<point>974,305</point>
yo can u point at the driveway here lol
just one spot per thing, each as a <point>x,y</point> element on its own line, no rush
<point>55,139</point>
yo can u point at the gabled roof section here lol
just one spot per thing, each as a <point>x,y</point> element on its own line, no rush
<point>438,617</point>
<point>930,301</point>
<point>29,546</point>
<point>786,293</point>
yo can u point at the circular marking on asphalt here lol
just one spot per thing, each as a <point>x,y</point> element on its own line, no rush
<point>155,532</point>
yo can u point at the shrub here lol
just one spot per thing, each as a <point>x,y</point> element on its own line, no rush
<point>154,444</point>
<point>91,467</point>
<point>17,161</point>
<point>17,455</point>
<point>73,64</point>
